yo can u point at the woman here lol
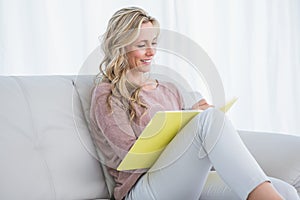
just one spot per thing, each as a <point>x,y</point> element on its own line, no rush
<point>124,102</point>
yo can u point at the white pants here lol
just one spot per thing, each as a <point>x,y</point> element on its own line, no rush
<point>207,140</point>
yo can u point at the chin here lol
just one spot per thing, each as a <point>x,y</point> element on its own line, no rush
<point>144,69</point>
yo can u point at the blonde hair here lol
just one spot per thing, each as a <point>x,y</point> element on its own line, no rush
<point>122,30</point>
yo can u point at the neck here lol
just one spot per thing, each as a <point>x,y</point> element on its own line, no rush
<point>135,77</point>
<point>138,79</point>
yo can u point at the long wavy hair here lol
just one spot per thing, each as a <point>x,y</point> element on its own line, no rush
<point>122,30</point>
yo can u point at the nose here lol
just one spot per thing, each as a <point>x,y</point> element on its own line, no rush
<point>150,51</point>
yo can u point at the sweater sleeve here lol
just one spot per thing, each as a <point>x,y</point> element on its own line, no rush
<point>114,125</point>
<point>176,92</point>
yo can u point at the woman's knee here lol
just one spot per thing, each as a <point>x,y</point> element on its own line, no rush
<point>210,121</point>
<point>210,125</point>
<point>213,112</point>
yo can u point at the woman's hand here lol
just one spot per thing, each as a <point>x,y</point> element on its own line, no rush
<point>201,105</point>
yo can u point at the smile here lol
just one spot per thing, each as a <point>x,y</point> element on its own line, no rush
<point>146,61</point>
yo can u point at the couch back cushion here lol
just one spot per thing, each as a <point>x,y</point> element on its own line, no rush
<point>45,148</point>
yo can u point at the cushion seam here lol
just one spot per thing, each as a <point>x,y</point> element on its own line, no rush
<point>36,144</point>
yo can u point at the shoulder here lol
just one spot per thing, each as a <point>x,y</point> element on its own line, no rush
<point>102,88</point>
<point>100,92</point>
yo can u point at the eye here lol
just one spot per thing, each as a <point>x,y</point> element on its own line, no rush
<point>140,45</point>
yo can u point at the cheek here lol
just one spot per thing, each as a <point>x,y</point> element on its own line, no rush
<point>138,54</point>
<point>135,55</point>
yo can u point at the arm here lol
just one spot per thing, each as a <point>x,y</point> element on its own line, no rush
<point>115,126</point>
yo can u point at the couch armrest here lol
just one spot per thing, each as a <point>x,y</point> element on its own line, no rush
<point>277,154</point>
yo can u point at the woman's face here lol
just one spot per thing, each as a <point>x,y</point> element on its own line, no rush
<point>142,51</point>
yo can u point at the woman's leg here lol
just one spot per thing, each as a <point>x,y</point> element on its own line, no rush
<point>178,173</point>
<point>181,171</point>
<point>216,189</point>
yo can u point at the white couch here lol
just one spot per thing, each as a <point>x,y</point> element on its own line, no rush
<point>46,151</point>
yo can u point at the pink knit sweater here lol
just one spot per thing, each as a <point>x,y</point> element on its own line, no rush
<point>114,133</point>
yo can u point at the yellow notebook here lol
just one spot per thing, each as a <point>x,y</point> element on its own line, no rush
<point>161,129</point>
